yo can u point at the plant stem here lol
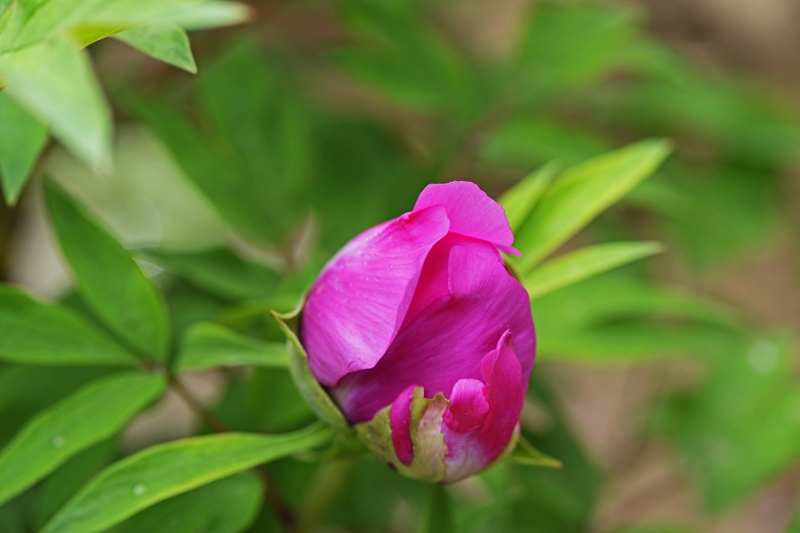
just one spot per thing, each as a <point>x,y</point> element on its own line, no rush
<point>284,513</point>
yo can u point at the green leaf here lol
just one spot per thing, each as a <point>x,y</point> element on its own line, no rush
<point>57,488</point>
<point>315,396</point>
<point>526,454</point>
<point>159,472</point>
<point>55,83</point>
<point>207,345</point>
<point>165,42</point>
<point>90,415</point>
<point>740,427</point>
<point>220,271</point>
<point>109,280</point>
<point>440,513</point>
<point>225,506</point>
<point>22,139</point>
<point>581,193</point>
<point>584,263</point>
<point>520,200</point>
<point>35,333</point>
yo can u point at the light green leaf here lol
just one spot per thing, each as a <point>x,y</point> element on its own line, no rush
<point>225,506</point>
<point>208,345</point>
<point>43,20</point>
<point>160,472</point>
<point>584,263</point>
<point>219,271</point>
<point>440,516</point>
<point>108,279</point>
<point>310,389</point>
<point>165,42</point>
<point>581,193</point>
<point>83,36</point>
<point>90,415</point>
<point>35,333</point>
<point>526,454</point>
<point>22,139</point>
<point>520,200</point>
<point>55,83</point>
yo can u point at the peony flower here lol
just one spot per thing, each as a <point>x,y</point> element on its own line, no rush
<point>422,336</point>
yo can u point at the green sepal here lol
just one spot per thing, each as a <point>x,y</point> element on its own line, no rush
<point>310,389</point>
<point>524,453</point>
<point>430,449</point>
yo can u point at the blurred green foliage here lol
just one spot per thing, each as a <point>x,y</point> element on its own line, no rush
<point>289,178</point>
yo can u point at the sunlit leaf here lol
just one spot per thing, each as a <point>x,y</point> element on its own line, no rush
<point>165,42</point>
<point>22,139</point>
<point>90,415</point>
<point>160,472</point>
<point>108,279</point>
<point>520,200</point>
<point>584,263</point>
<point>55,83</point>
<point>581,193</point>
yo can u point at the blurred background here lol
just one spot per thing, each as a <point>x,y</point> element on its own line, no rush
<point>669,389</point>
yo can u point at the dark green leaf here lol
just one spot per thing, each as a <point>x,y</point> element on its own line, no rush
<point>93,413</point>
<point>220,271</point>
<point>160,472</point>
<point>22,139</point>
<point>35,333</point>
<point>110,282</point>
<point>207,345</point>
<point>225,506</point>
<point>55,83</point>
<point>57,488</point>
<point>165,42</point>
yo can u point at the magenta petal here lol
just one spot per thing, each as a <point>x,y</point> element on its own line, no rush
<point>400,421</point>
<point>471,212</point>
<point>446,340</point>
<point>357,305</point>
<point>470,451</point>
<point>468,406</point>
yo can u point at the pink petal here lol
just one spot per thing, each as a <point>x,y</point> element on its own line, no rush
<point>468,406</point>
<point>446,340</point>
<point>400,421</point>
<point>470,451</point>
<point>357,305</point>
<point>471,212</point>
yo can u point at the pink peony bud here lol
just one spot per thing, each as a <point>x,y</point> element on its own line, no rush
<point>422,336</point>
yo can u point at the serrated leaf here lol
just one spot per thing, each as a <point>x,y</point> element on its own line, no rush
<point>219,271</point>
<point>22,138</point>
<point>108,279</point>
<point>54,81</point>
<point>160,472</point>
<point>225,506</point>
<point>584,263</point>
<point>208,345</point>
<point>581,193</point>
<point>520,200</point>
<point>35,333</point>
<point>315,396</point>
<point>90,415</point>
<point>165,42</point>
<point>526,454</point>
